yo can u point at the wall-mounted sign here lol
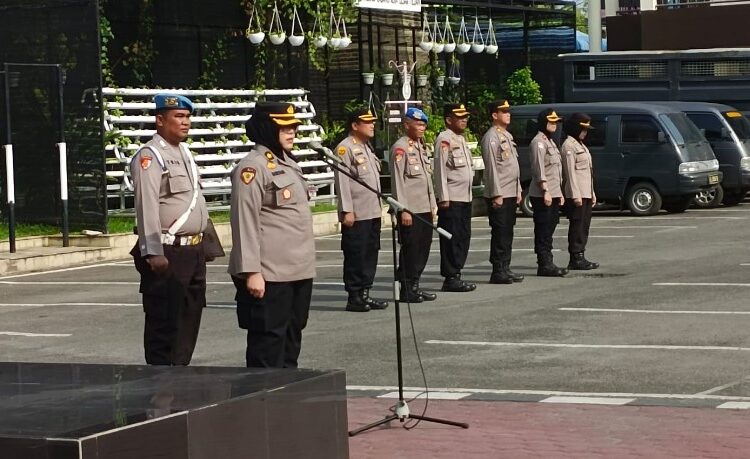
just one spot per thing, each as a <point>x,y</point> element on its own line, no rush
<point>393,5</point>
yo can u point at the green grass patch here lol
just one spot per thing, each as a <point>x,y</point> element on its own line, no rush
<point>28,230</point>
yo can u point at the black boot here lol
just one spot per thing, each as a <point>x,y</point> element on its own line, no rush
<point>409,293</point>
<point>578,263</point>
<point>425,295</point>
<point>500,275</point>
<point>546,268</point>
<point>593,264</point>
<point>372,302</point>
<point>355,303</point>
<point>514,276</point>
<point>456,284</point>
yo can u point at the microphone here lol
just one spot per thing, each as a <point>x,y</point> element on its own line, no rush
<point>317,146</point>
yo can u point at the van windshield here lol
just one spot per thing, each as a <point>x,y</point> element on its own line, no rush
<point>682,129</point>
<point>740,125</point>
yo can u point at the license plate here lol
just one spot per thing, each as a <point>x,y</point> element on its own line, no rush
<point>713,179</point>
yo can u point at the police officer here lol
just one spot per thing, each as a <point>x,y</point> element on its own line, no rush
<point>453,178</point>
<point>273,255</point>
<point>171,217</point>
<point>360,212</point>
<point>411,184</point>
<point>545,191</point>
<point>502,190</point>
<point>580,197</point>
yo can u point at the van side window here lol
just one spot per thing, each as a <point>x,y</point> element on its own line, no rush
<point>710,122</point>
<point>522,129</point>
<point>639,129</point>
<point>597,137</point>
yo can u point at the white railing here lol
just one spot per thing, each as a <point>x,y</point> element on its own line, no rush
<point>217,137</point>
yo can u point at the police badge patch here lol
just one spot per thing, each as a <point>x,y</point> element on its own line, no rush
<point>145,162</point>
<point>247,175</point>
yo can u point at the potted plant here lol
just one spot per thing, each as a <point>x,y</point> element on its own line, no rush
<point>462,44</point>
<point>439,77</point>
<point>490,46</point>
<point>423,74</point>
<point>296,40</point>
<point>254,32</point>
<point>368,77</point>
<point>477,39</point>
<point>425,44</point>
<point>386,76</point>
<point>316,34</point>
<point>277,34</point>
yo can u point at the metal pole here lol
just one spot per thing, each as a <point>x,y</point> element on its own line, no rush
<point>595,26</point>
<point>11,192</point>
<point>63,150</point>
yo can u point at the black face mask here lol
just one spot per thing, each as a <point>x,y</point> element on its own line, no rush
<point>541,122</point>
<point>574,129</point>
<point>263,131</point>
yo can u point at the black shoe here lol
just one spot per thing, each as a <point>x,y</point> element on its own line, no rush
<point>355,303</point>
<point>579,263</point>
<point>514,276</point>
<point>409,294</point>
<point>593,264</point>
<point>500,276</point>
<point>547,268</point>
<point>425,295</point>
<point>372,302</point>
<point>456,284</point>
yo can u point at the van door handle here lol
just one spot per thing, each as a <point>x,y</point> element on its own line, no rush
<point>624,153</point>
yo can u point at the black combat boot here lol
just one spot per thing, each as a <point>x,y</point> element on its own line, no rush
<point>515,276</point>
<point>409,293</point>
<point>500,275</point>
<point>425,295</point>
<point>373,303</point>
<point>355,303</point>
<point>546,268</point>
<point>456,284</point>
<point>593,264</point>
<point>579,263</point>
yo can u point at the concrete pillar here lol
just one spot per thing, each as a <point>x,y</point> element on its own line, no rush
<point>595,26</point>
<point>610,8</point>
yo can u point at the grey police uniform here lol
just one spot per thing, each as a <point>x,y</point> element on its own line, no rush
<point>163,178</point>
<point>578,184</point>
<point>360,242</point>
<point>453,179</point>
<point>272,235</point>
<point>546,165</point>
<point>411,184</point>
<point>502,178</point>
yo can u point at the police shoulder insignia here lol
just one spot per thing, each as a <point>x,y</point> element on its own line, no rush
<point>399,152</point>
<point>145,162</point>
<point>269,156</point>
<point>247,175</point>
<point>271,165</point>
<point>540,145</point>
<point>287,193</point>
<point>341,151</point>
<point>445,144</point>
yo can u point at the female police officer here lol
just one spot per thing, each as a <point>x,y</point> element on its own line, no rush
<point>578,189</point>
<point>273,254</point>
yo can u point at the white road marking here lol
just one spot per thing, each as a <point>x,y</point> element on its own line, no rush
<point>744,264</point>
<point>655,311</point>
<point>434,395</point>
<point>550,393</point>
<point>591,346</point>
<point>700,284</point>
<point>59,270</point>
<point>30,305</point>
<point>92,283</point>
<point>588,400</point>
<point>594,227</point>
<point>735,406</point>
<point>36,335</point>
<point>722,387</point>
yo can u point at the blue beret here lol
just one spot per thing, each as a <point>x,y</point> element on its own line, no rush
<point>172,101</point>
<point>416,114</point>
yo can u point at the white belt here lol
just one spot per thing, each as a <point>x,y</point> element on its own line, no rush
<point>169,239</point>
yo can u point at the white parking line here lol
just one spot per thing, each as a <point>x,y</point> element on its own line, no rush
<point>594,227</point>
<point>591,346</point>
<point>735,406</point>
<point>434,395</point>
<point>588,400</point>
<point>655,311</point>
<point>744,264</point>
<point>700,284</point>
<point>36,335</point>
<point>76,268</point>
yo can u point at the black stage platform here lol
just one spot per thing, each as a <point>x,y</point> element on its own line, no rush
<point>66,411</point>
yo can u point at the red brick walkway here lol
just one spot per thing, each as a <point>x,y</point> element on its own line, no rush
<point>540,430</point>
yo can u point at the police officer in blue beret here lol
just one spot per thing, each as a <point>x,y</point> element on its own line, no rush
<point>171,216</point>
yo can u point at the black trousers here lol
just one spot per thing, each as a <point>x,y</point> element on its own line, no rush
<point>360,244</point>
<point>580,224</point>
<point>502,220</point>
<point>415,248</point>
<point>173,303</point>
<point>275,322</point>
<point>545,222</point>
<point>456,219</point>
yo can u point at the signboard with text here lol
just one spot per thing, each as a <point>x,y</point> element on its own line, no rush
<point>392,5</point>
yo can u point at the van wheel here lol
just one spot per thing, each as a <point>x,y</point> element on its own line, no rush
<point>733,198</point>
<point>709,198</point>
<point>525,206</point>
<point>644,199</point>
<point>678,205</point>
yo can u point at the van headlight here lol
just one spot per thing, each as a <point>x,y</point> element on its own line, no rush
<point>699,166</point>
<point>745,164</point>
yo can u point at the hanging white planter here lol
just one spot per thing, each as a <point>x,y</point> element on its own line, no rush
<point>454,80</point>
<point>450,41</point>
<point>477,40</point>
<point>440,81</point>
<point>318,39</point>
<point>339,39</point>
<point>438,44</point>
<point>454,76</point>
<point>427,39</point>
<point>490,46</point>
<point>296,40</point>
<point>254,33</point>
<point>462,43</point>
<point>275,32</point>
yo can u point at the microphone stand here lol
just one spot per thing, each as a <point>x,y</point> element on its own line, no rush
<point>401,412</point>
